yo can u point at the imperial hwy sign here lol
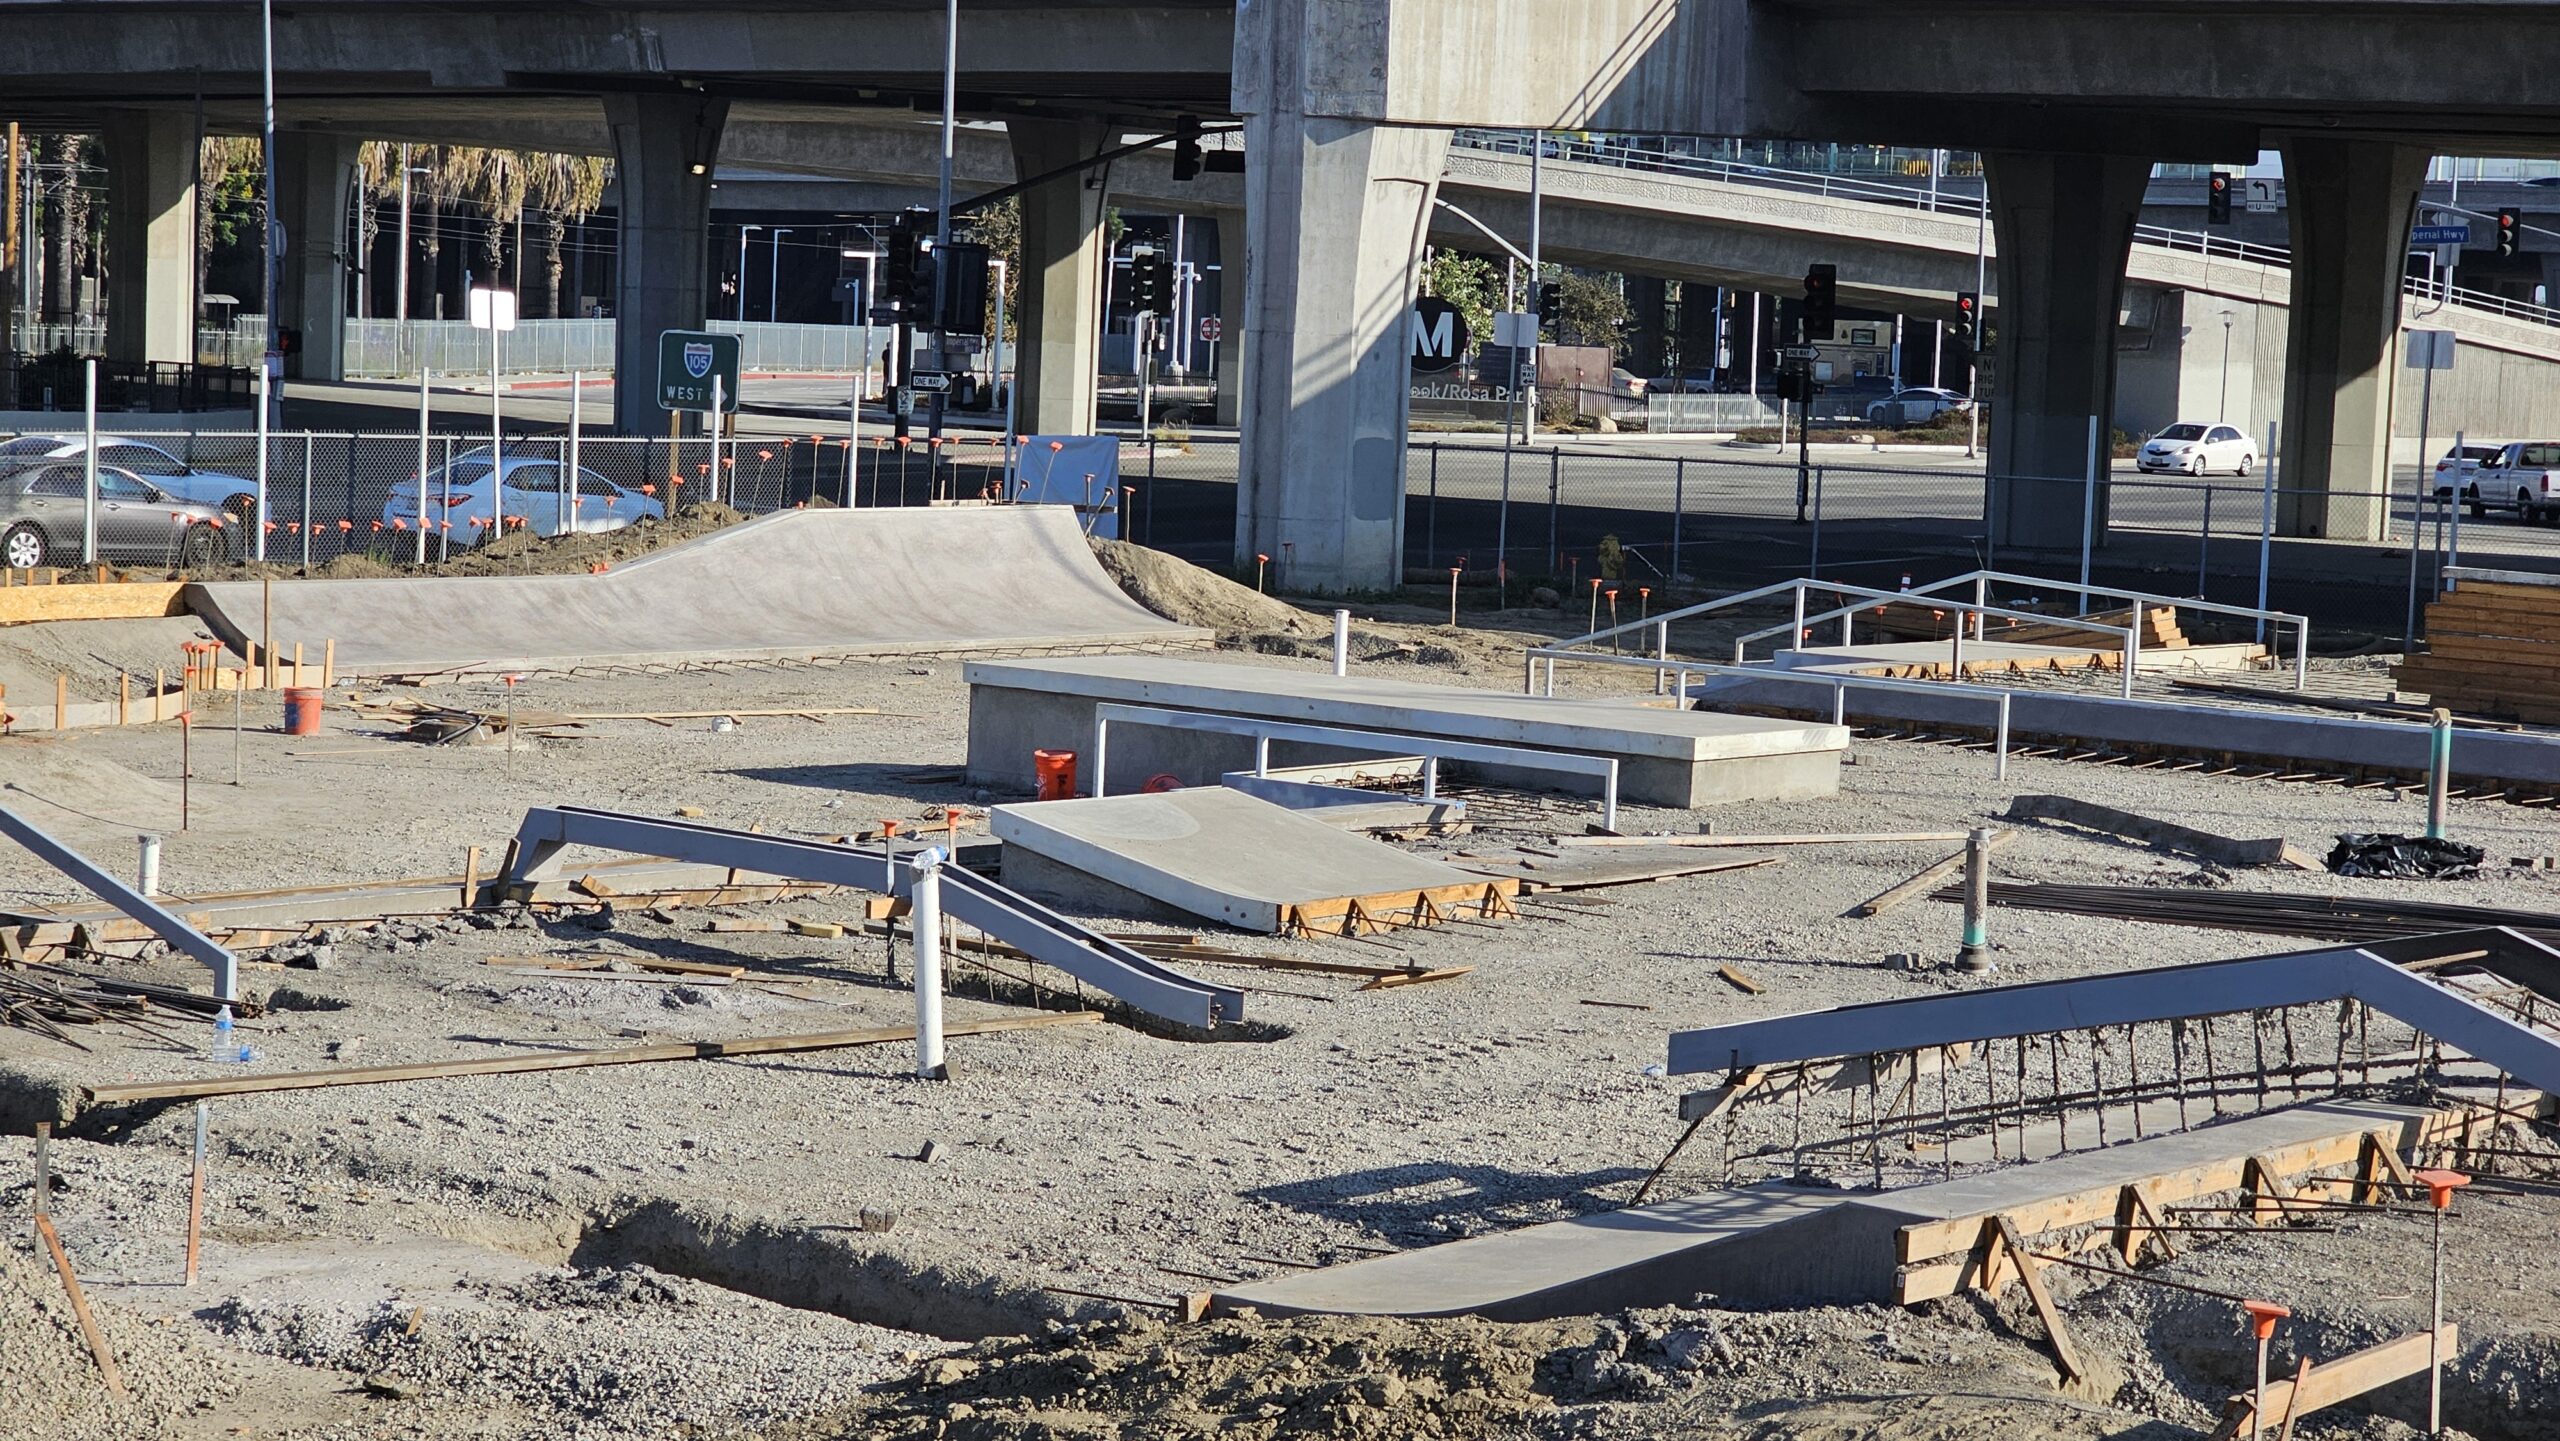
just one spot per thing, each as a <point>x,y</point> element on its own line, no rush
<point>689,361</point>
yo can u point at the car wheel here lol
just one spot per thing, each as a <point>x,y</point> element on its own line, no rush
<point>2197,469</point>
<point>2246,461</point>
<point>2524,506</point>
<point>2478,510</point>
<point>23,548</point>
<point>201,549</point>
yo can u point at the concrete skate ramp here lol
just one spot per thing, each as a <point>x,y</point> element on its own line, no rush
<point>1214,853</point>
<point>797,584</point>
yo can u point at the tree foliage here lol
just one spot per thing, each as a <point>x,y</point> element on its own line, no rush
<point>1469,282</point>
<point>1591,310</point>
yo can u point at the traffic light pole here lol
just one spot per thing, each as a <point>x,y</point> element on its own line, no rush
<point>942,234</point>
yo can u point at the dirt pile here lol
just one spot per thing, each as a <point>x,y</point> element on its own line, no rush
<point>53,1385</point>
<point>518,552</point>
<point>1188,595</point>
<point>1245,1378</point>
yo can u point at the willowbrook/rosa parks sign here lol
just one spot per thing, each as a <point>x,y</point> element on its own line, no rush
<point>689,362</point>
<point>1440,383</point>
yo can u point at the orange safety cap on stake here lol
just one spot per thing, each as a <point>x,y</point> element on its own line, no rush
<point>2441,1185</point>
<point>2263,1316</point>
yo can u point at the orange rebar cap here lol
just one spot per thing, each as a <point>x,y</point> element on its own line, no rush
<point>2263,1316</point>
<point>2441,1185</point>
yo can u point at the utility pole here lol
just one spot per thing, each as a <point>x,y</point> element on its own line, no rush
<point>942,228</point>
<point>269,361</point>
<point>400,310</point>
<point>1537,277</point>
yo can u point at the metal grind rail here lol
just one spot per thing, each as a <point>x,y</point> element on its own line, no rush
<point>1016,920</point>
<point>162,922</point>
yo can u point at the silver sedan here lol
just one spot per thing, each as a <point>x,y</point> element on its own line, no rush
<point>44,515</point>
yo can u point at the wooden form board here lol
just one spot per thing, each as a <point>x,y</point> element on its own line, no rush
<point>2492,647</point>
<point>2323,1384</point>
<point>129,600</point>
<point>1487,899</point>
<point>1942,1257</point>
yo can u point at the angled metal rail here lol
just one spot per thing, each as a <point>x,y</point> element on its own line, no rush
<point>1016,920</point>
<point>2379,975</point>
<point>161,921</point>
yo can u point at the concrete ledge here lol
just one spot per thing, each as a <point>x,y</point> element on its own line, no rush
<point>2496,756</point>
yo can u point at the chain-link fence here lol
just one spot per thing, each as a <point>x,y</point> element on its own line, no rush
<point>389,348</point>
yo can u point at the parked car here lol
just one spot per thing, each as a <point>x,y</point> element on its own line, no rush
<point>44,516</point>
<point>237,496</point>
<point>2461,467</point>
<point>2193,448</point>
<point>1917,405</point>
<point>462,492</point>
<point>2520,479</point>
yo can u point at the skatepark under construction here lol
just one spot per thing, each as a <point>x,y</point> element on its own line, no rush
<point>923,972</point>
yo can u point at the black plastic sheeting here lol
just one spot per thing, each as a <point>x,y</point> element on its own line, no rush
<point>2404,858</point>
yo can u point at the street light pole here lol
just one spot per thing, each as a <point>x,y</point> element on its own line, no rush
<point>400,309</point>
<point>773,277</point>
<point>942,227</point>
<point>2222,401</point>
<point>268,360</point>
<point>742,270</point>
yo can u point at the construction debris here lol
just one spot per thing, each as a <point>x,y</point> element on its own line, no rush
<point>2405,858</point>
<point>2336,918</point>
<point>2222,850</point>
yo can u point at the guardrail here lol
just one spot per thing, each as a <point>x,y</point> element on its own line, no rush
<point>1982,579</point>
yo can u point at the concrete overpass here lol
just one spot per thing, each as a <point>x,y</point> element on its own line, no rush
<point>1344,106</point>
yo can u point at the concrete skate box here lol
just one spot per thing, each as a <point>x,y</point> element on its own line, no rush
<point>1666,756</point>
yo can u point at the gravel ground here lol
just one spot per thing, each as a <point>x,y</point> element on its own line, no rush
<point>1084,1159</point>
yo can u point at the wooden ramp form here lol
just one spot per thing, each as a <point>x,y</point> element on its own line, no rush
<point>1775,1243</point>
<point>1226,856</point>
<point>2493,646</point>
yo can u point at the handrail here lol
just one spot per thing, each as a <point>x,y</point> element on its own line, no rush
<point>1825,184</point>
<point>2277,618</point>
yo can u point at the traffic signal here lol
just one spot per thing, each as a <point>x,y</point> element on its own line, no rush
<point>2217,198</point>
<point>1186,150</point>
<point>963,264</point>
<point>1550,302</point>
<point>2510,231</point>
<point>909,281</point>
<point>1968,319</point>
<point>1821,301</point>
<point>1150,280</point>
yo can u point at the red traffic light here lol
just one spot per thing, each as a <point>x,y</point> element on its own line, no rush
<point>2220,182</point>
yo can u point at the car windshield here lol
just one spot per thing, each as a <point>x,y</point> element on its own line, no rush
<point>2183,432</point>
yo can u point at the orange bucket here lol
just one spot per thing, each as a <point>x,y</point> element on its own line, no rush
<point>302,710</point>
<point>1056,771</point>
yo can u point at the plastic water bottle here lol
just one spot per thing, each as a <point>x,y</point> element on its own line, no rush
<point>226,1047</point>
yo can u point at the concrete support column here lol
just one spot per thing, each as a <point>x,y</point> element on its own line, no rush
<point>1062,259</point>
<point>2349,203</point>
<point>151,237</point>
<point>2064,226</point>
<point>314,175</point>
<point>1336,212</point>
<point>664,148</point>
<point>1232,258</point>
<point>1649,302</point>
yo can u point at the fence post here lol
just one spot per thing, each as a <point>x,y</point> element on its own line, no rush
<point>2266,528</point>
<point>310,449</point>
<point>1431,516</point>
<point>1679,504</point>
<point>1555,505</point>
<point>2089,514</point>
<point>2204,541</point>
<point>1501,528</point>
<point>1813,561</point>
<point>426,517</point>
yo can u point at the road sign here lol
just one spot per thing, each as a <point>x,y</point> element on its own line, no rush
<point>1439,335</point>
<point>492,309</point>
<point>2440,235</point>
<point>1801,352</point>
<point>2427,350</point>
<point>1212,328</point>
<point>931,382</point>
<point>2264,193</point>
<point>689,361</point>
<point>1516,329</point>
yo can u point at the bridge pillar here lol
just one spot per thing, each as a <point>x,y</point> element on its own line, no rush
<point>314,174</point>
<point>1336,213</point>
<point>151,237</point>
<point>1231,281</point>
<point>664,148</point>
<point>2349,203</point>
<point>1062,258</point>
<point>1649,334</point>
<point>2065,228</point>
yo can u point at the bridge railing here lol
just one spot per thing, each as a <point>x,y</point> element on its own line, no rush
<point>1628,156</point>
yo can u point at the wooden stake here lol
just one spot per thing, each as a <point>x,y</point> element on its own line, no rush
<point>266,631</point>
<point>124,698</point>
<point>328,663</point>
<point>195,1193</point>
<point>61,701</point>
<point>470,875</point>
<point>159,688</point>
<point>2065,1355</point>
<point>297,663</point>
<point>80,1308</point>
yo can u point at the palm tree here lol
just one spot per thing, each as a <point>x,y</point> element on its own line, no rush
<point>564,188</point>
<point>494,181</point>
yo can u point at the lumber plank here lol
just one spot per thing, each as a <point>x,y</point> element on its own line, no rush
<point>1868,838</point>
<point>1921,884</point>
<point>561,1060</point>
<point>97,1339</point>
<point>2065,1354</point>
<point>2228,850</point>
<point>1416,978</point>
<point>2349,1376</point>
<point>126,600</point>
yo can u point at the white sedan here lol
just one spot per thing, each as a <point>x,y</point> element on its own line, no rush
<point>2189,448</point>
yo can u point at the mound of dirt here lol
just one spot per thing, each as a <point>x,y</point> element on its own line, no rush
<point>53,1384</point>
<point>1354,1378</point>
<point>519,552</point>
<point>1188,595</point>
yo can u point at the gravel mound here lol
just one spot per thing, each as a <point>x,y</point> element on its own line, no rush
<point>53,1386</point>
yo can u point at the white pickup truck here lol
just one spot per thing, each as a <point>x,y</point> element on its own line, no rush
<point>2522,479</point>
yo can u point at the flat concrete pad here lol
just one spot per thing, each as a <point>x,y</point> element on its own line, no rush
<point>797,584</point>
<point>1666,756</point>
<point>1214,853</point>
